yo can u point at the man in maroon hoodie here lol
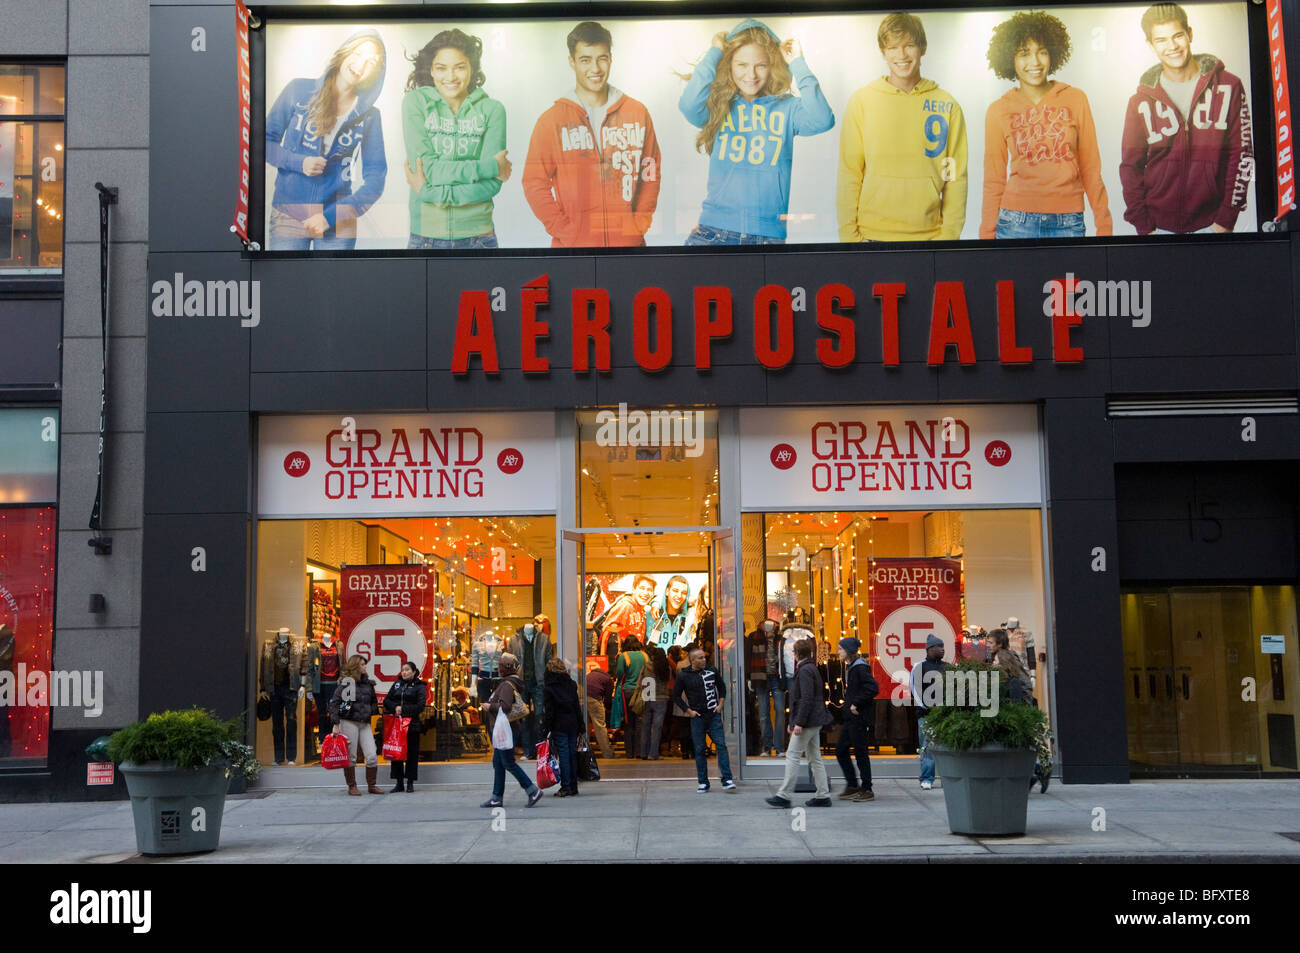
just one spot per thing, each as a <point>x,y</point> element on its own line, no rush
<point>1186,158</point>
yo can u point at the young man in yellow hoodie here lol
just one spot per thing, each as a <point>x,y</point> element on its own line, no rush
<point>902,173</point>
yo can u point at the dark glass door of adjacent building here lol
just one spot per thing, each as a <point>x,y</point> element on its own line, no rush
<point>1202,696</point>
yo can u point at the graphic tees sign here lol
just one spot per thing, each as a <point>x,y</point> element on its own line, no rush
<point>413,464</point>
<point>912,599</point>
<point>387,617</point>
<point>889,457</point>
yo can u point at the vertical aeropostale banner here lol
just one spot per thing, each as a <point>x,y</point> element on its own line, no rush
<point>387,616</point>
<point>407,465</point>
<point>911,600</point>
<point>1281,111</point>
<point>244,105</point>
<point>827,458</point>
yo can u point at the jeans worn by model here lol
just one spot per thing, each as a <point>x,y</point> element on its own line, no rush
<point>1012,224</point>
<point>651,728</point>
<point>596,712</point>
<point>708,235</point>
<point>476,242</point>
<point>809,742</point>
<point>709,726</point>
<point>503,760</point>
<point>927,759</point>
<point>631,728</point>
<point>853,735</point>
<point>288,234</point>
<point>771,692</point>
<point>284,721</point>
<point>565,747</point>
<point>322,700</point>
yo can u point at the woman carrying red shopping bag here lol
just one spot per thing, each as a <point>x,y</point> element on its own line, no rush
<point>560,720</point>
<point>350,709</point>
<point>403,704</point>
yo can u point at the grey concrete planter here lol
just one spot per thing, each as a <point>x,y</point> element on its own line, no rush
<point>176,810</point>
<point>986,790</point>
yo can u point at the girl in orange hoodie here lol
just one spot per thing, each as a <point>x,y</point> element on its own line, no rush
<point>1045,129</point>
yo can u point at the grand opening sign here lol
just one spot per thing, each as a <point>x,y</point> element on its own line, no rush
<point>406,465</point>
<point>894,457</point>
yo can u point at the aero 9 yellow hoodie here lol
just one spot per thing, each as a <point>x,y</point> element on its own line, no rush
<point>902,174</point>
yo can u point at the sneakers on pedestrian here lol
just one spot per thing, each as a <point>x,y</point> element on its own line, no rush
<point>730,786</point>
<point>701,789</point>
<point>850,790</point>
<point>866,794</point>
<point>818,802</point>
<point>777,801</point>
<point>534,797</point>
<point>488,803</point>
<point>927,785</point>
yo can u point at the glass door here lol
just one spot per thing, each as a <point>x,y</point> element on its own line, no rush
<point>669,588</point>
<point>1190,659</point>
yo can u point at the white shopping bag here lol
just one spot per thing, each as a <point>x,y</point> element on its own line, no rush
<point>502,737</point>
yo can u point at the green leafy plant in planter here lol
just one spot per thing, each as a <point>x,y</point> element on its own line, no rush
<point>178,766</point>
<point>193,738</point>
<point>984,757</point>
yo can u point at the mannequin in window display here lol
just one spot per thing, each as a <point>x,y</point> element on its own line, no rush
<point>283,678</point>
<point>781,665</point>
<point>485,662</point>
<point>761,671</point>
<point>532,647</point>
<point>323,673</point>
<point>8,646</point>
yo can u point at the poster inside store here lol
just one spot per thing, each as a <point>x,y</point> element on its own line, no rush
<point>1004,123</point>
<point>658,608</point>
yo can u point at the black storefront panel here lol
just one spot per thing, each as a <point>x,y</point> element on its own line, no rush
<point>199,361</point>
<point>193,613</point>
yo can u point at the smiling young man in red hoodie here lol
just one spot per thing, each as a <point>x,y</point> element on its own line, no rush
<point>592,173</point>
<point>1186,158</point>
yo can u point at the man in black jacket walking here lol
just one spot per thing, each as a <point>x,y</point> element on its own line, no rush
<point>860,691</point>
<point>700,692</point>
<point>808,715</point>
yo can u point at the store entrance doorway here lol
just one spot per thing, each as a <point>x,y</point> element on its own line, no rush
<point>1202,698</point>
<point>668,588</point>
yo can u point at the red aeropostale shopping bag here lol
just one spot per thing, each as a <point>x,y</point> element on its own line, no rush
<point>395,738</point>
<point>334,752</point>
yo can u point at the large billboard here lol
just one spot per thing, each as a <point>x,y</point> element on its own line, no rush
<point>818,128</point>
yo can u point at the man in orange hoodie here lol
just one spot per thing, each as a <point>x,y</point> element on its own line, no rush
<point>592,172</point>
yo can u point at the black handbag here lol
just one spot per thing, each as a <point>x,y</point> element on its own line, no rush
<point>588,769</point>
<point>263,706</point>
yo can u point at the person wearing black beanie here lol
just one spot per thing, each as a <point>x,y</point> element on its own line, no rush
<point>860,691</point>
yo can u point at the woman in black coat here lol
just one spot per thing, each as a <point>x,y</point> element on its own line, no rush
<point>406,699</point>
<point>561,719</point>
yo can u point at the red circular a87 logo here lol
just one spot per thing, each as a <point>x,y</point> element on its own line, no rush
<point>297,463</point>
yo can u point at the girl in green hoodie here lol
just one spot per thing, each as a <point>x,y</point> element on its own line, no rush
<point>455,138</point>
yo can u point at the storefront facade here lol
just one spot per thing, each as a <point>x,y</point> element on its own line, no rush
<point>853,426</point>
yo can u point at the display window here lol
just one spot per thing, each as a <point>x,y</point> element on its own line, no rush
<point>29,454</point>
<point>31,168</point>
<point>447,595</point>
<point>1207,671</point>
<point>888,580</point>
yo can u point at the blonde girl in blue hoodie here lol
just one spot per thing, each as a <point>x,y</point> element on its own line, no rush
<point>326,141</point>
<point>739,98</point>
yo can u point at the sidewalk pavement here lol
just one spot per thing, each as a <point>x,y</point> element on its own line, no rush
<point>656,821</point>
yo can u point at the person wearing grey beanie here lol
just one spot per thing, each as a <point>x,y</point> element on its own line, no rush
<point>933,662</point>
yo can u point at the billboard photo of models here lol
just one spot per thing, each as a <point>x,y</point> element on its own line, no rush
<point>663,609</point>
<point>1099,120</point>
